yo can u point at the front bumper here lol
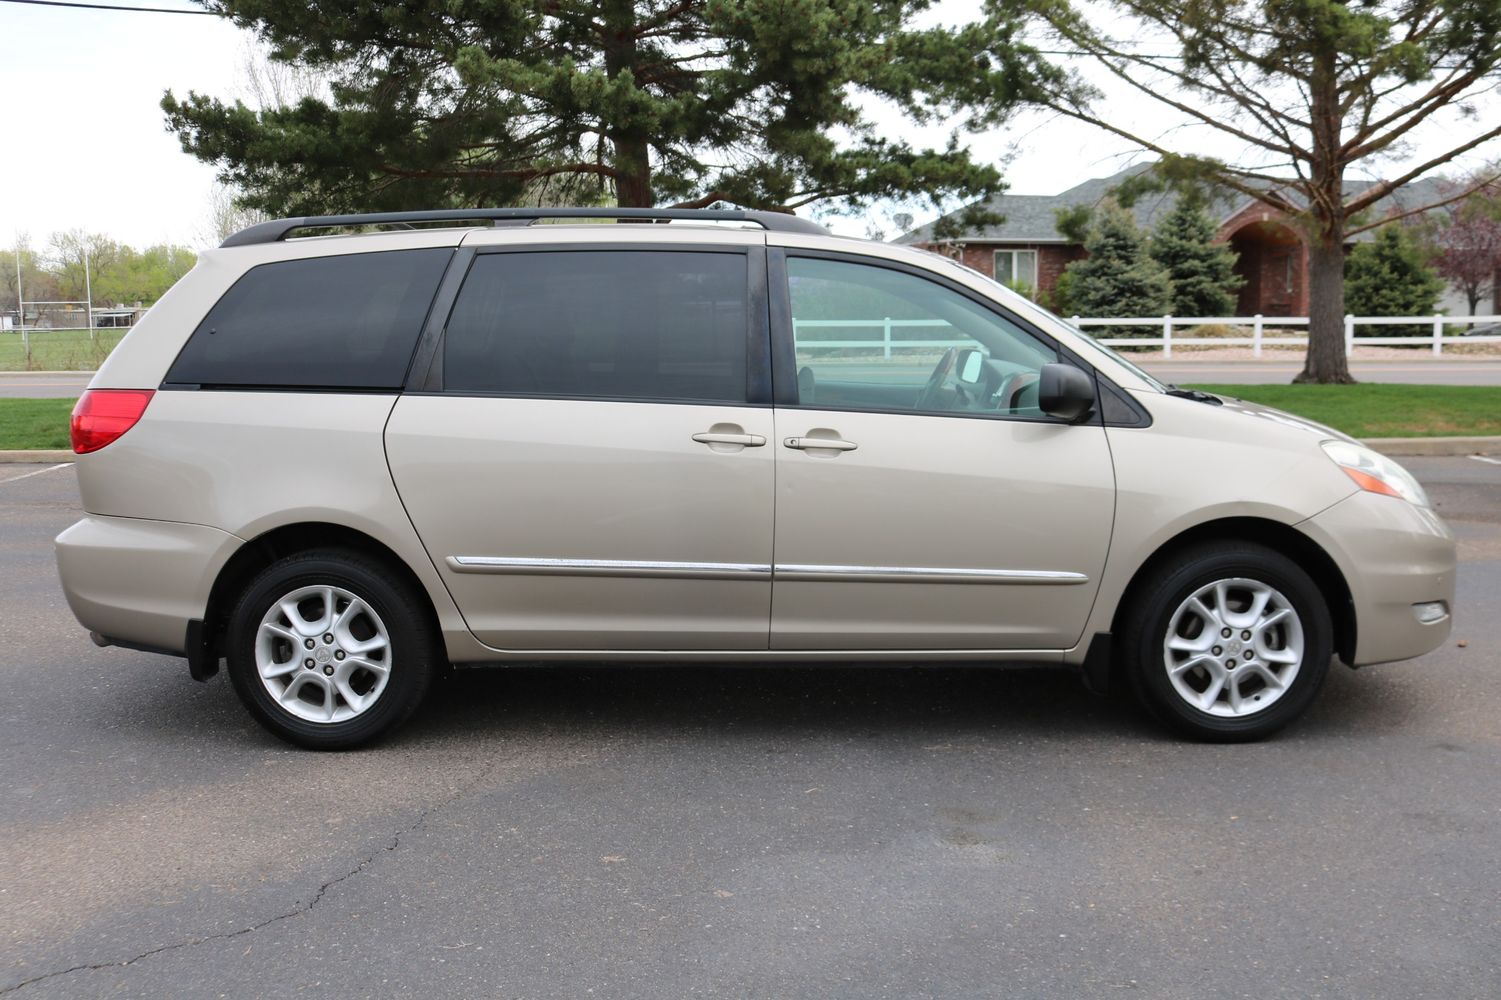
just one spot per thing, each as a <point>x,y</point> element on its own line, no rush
<point>1393,556</point>
<point>141,582</point>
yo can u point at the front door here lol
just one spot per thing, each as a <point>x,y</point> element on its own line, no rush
<point>923,500</point>
<point>592,473</point>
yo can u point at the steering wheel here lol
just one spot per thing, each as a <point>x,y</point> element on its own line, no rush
<point>929,398</point>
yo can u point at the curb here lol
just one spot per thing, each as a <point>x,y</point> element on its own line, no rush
<point>37,456</point>
<point>1436,445</point>
<point>37,374</point>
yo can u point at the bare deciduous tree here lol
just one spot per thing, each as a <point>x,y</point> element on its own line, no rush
<point>1310,89</point>
<point>1465,236</point>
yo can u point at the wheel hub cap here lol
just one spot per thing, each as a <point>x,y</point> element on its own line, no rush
<point>1233,647</point>
<point>323,654</point>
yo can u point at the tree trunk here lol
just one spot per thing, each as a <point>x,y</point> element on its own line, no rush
<point>633,180</point>
<point>1326,361</point>
<point>632,152</point>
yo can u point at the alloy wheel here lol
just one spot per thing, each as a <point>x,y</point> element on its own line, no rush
<point>1233,647</point>
<point>323,654</point>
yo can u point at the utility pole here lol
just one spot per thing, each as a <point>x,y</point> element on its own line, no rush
<point>88,292</point>
<point>21,307</point>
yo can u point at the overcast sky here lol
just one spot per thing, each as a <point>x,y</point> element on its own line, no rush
<point>86,147</point>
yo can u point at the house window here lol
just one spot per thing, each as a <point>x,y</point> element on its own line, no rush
<point>1017,268</point>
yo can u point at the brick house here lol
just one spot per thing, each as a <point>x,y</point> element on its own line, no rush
<point>1271,255</point>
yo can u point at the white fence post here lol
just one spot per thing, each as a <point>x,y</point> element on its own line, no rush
<point>1349,334</point>
<point>886,336</point>
<point>1256,337</point>
<point>1167,336</point>
<point>1438,335</point>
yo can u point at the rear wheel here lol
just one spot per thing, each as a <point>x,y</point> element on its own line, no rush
<point>330,650</point>
<point>1228,642</point>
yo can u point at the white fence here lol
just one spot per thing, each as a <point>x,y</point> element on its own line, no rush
<point>1258,326</point>
<point>886,325</point>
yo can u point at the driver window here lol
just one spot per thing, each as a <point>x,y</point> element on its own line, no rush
<point>874,338</point>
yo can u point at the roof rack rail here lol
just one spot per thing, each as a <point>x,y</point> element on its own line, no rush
<point>278,229</point>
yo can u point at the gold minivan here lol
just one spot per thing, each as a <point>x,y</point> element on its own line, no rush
<point>340,463</point>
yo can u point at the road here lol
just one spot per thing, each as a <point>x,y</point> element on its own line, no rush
<point>811,832</point>
<point>43,385</point>
<point>1433,371</point>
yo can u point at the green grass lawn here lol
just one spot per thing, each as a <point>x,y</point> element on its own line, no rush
<point>34,423</point>
<point>57,350</point>
<point>1372,410</point>
<point>1362,411</point>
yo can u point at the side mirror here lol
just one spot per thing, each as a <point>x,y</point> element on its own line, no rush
<point>971,366</point>
<point>1064,391</point>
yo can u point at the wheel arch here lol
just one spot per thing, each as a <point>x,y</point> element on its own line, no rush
<point>1274,535</point>
<point>288,539</point>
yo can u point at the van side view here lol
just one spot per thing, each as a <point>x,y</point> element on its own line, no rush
<point>339,463</point>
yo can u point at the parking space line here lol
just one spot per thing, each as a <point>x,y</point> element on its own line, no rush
<point>1482,458</point>
<point>38,472</point>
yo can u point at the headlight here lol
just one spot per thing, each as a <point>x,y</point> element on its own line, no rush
<point>1375,472</point>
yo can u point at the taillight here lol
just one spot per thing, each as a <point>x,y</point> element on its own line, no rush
<point>102,415</point>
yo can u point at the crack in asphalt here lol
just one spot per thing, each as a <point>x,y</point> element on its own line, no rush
<point>299,910</point>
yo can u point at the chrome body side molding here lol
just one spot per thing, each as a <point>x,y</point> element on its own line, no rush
<point>925,574</point>
<point>610,567</point>
<point>761,571</point>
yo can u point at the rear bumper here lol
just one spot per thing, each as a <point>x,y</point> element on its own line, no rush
<point>141,582</point>
<point>1393,556</point>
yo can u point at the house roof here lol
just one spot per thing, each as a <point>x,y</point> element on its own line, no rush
<point>1032,218</point>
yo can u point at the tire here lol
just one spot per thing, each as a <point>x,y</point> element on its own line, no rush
<point>331,695</point>
<point>1176,652</point>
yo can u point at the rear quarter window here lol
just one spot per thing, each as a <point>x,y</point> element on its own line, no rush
<point>349,321</point>
<point>605,324</point>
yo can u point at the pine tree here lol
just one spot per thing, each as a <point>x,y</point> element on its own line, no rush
<point>1119,277</point>
<point>1390,276</point>
<point>1201,270</point>
<point>760,103</point>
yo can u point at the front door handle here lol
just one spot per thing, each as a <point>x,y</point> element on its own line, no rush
<point>820,443</point>
<point>723,437</point>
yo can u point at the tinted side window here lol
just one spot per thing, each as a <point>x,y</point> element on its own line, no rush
<point>618,324</point>
<point>349,321</point>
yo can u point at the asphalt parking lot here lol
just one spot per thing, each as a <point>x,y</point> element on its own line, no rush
<point>809,832</point>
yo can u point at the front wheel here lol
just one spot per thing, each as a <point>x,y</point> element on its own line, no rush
<point>1228,642</point>
<point>330,650</point>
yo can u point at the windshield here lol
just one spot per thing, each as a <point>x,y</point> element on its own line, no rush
<point>1085,340</point>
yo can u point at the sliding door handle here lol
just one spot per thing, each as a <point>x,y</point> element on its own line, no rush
<point>722,437</point>
<point>820,443</point>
